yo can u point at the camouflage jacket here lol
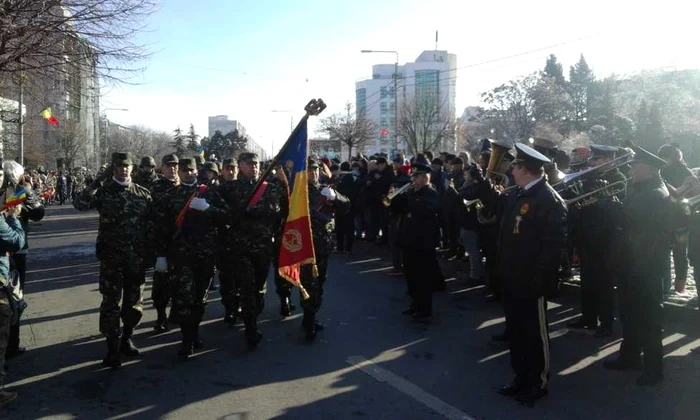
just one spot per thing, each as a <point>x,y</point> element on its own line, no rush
<point>198,233</point>
<point>145,179</point>
<point>160,187</point>
<point>125,228</point>
<point>322,211</point>
<point>252,229</point>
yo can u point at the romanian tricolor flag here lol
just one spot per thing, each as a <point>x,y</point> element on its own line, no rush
<point>48,116</point>
<point>297,247</point>
<point>16,197</point>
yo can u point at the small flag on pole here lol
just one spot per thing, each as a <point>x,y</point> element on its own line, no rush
<point>16,197</point>
<point>48,116</point>
<point>384,132</point>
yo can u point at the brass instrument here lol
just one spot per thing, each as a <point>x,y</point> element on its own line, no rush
<point>574,181</point>
<point>498,152</point>
<point>386,200</point>
<point>691,203</point>
<point>592,197</point>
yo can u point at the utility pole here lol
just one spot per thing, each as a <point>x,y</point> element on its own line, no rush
<point>20,119</point>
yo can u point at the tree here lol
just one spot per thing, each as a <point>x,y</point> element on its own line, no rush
<point>70,142</point>
<point>47,35</point>
<point>224,146</point>
<point>513,107</point>
<point>192,139</point>
<point>352,130</point>
<point>551,101</point>
<point>580,80</point>
<point>423,124</point>
<point>555,70</point>
<point>178,142</point>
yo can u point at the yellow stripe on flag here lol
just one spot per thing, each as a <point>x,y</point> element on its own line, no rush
<point>46,113</point>
<point>299,201</point>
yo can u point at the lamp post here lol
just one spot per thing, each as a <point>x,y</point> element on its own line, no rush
<point>396,92</point>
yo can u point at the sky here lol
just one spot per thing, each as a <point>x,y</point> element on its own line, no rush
<point>246,59</point>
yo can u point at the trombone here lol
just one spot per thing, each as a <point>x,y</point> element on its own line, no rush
<point>592,197</point>
<point>386,200</point>
<point>570,181</point>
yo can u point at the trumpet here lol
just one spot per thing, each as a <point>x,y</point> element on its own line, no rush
<point>386,200</point>
<point>592,197</point>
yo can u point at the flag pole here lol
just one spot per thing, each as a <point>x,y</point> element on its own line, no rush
<point>313,108</point>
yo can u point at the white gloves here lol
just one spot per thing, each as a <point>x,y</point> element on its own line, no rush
<point>161,264</point>
<point>199,204</point>
<point>329,193</point>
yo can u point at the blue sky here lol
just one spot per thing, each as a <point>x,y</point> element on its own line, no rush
<point>246,58</point>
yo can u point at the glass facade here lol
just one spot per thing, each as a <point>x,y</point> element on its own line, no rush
<point>427,82</point>
<point>361,100</point>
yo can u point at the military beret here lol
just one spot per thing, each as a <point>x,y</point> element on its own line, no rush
<point>210,166</point>
<point>248,157</point>
<point>229,162</point>
<point>122,158</point>
<point>148,161</point>
<point>169,159</point>
<point>420,169</point>
<point>642,155</point>
<point>188,163</point>
<point>311,163</point>
<point>529,157</point>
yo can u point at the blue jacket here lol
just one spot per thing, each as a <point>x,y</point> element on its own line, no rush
<point>11,240</point>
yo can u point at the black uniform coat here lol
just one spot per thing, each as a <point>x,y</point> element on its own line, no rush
<point>419,226</point>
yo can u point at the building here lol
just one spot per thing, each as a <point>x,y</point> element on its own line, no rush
<point>431,78</point>
<point>222,124</point>
<point>322,146</point>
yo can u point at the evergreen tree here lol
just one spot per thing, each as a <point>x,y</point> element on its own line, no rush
<point>555,70</point>
<point>581,78</point>
<point>178,142</point>
<point>192,139</point>
<point>655,131</point>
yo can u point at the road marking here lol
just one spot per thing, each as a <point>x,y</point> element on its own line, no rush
<point>408,388</point>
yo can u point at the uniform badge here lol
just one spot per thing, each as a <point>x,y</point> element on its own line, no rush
<point>524,208</point>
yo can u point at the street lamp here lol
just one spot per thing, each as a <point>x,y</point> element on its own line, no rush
<point>396,92</point>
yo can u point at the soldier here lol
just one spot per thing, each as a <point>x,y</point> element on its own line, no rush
<point>531,239</point>
<point>229,170</point>
<point>123,249</point>
<point>190,247</point>
<point>147,172</point>
<point>11,240</point>
<point>249,243</point>
<point>593,235</point>
<point>160,292</point>
<point>647,239</point>
<point>420,208</point>
<point>323,202</point>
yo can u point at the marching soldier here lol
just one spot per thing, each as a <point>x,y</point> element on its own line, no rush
<point>419,232</point>
<point>147,172</point>
<point>160,292</point>
<point>254,221</point>
<point>531,239</point>
<point>647,239</point>
<point>229,170</point>
<point>123,249</point>
<point>594,233</point>
<point>323,202</point>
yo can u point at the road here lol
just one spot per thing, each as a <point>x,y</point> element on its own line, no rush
<point>370,362</point>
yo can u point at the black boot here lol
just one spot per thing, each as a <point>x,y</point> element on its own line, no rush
<point>198,343</point>
<point>112,358</point>
<point>252,334</point>
<point>127,346</point>
<point>188,335</point>
<point>162,321</point>
<point>285,307</point>
<point>309,323</point>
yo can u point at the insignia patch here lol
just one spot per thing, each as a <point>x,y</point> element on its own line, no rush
<point>524,208</point>
<point>291,240</point>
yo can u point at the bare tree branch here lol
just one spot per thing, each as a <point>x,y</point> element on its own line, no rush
<point>424,126</point>
<point>353,130</point>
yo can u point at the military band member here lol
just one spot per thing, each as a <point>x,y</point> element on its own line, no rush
<point>324,201</point>
<point>123,248</point>
<point>161,292</point>
<point>249,243</point>
<point>593,236</point>
<point>419,232</point>
<point>647,238</point>
<point>531,239</point>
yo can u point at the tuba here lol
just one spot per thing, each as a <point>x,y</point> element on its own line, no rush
<point>498,152</point>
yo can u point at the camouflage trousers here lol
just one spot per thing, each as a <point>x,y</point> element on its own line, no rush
<point>314,286</point>
<point>120,283</point>
<point>229,287</point>
<point>5,320</point>
<point>252,270</point>
<point>191,278</point>
<point>161,291</point>
<point>282,286</point>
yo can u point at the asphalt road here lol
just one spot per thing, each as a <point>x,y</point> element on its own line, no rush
<point>370,362</point>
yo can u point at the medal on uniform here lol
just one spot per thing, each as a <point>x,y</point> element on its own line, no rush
<point>516,228</point>
<point>524,209</point>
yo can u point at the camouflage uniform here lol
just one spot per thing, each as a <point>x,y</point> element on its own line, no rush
<point>160,291</point>
<point>124,252</point>
<point>146,179</point>
<point>249,243</point>
<point>322,211</point>
<point>12,239</point>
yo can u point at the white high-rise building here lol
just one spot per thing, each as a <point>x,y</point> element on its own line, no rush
<point>222,124</point>
<point>433,76</point>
